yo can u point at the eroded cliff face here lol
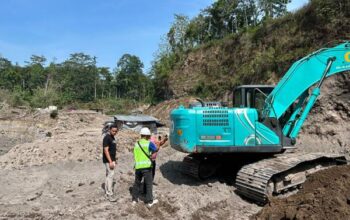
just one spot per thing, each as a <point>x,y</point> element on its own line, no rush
<point>327,128</point>
<point>15,128</point>
<point>261,55</point>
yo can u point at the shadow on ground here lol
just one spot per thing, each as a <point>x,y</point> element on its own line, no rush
<point>171,170</point>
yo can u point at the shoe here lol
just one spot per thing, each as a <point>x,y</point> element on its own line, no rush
<point>106,196</point>
<point>111,198</point>
<point>155,201</point>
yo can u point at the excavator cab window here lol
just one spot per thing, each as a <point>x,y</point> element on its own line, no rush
<point>237,98</point>
<point>259,102</point>
<point>251,96</point>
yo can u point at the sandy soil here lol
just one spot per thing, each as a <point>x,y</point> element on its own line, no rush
<point>61,176</point>
<point>52,169</point>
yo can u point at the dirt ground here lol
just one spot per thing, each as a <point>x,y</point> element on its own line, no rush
<point>52,169</point>
<point>325,195</point>
<point>60,176</point>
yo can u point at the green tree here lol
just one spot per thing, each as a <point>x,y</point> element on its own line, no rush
<point>130,80</point>
<point>196,32</point>
<point>77,77</point>
<point>246,14</point>
<point>9,77</point>
<point>177,34</point>
<point>160,73</point>
<point>273,8</point>
<point>105,82</point>
<point>37,73</point>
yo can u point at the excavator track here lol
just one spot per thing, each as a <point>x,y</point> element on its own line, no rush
<point>260,180</point>
<point>199,168</point>
<point>190,166</point>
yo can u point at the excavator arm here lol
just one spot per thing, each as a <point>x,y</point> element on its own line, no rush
<point>294,86</point>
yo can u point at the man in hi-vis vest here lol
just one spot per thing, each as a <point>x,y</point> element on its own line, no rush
<point>143,150</point>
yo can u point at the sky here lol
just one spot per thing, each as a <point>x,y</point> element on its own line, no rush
<point>106,29</point>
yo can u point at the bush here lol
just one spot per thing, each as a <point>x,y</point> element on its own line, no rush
<point>5,95</point>
<point>18,97</point>
<point>111,106</point>
<point>42,99</point>
<point>119,106</point>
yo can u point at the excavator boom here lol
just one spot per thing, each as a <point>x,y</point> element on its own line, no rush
<point>303,75</point>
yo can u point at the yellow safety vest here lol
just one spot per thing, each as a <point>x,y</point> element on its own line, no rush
<point>141,160</point>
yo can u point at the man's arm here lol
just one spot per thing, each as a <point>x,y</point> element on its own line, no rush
<point>152,147</point>
<point>162,142</point>
<point>108,156</point>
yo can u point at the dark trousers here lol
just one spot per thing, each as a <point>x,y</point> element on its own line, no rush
<point>153,168</point>
<point>146,175</point>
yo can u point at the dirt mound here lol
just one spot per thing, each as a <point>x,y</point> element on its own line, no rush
<point>163,109</point>
<point>8,112</point>
<point>74,135</point>
<point>325,195</point>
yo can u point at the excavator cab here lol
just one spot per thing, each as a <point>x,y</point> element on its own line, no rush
<point>251,96</point>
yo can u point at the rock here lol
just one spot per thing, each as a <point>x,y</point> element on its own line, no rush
<point>34,197</point>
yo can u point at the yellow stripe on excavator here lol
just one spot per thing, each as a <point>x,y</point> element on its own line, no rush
<point>347,57</point>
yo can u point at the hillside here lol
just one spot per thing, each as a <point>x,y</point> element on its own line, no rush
<point>260,55</point>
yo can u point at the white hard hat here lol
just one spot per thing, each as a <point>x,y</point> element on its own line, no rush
<point>145,131</point>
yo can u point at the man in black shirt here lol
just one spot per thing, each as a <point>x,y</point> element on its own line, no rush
<point>109,158</point>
